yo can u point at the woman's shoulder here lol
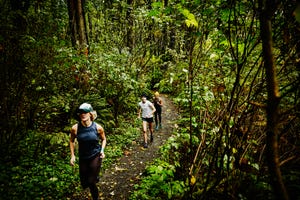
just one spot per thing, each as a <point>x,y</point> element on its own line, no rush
<point>74,128</point>
<point>97,125</point>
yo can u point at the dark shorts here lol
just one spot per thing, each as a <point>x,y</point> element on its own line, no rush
<point>149,120</point>
<point>89,170</point>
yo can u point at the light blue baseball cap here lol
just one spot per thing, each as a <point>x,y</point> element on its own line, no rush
<point>85,108</point>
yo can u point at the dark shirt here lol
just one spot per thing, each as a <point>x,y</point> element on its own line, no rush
<point>88,139</point>
<point>157,100</point>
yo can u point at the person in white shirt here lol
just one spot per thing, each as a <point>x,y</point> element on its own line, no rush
<point>146,111</point>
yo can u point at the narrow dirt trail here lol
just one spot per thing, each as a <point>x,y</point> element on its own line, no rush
<point>117,182</point>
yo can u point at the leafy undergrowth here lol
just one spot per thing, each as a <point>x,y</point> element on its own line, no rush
<point>39,167</point>
<point>159,181</point>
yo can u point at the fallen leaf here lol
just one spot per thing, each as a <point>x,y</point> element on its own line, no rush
<point>119,168</point>
<point>126,152</point>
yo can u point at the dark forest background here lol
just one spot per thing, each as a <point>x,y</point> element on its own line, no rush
<point>231,67</point>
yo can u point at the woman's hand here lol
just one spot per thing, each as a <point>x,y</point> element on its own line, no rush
<point>72,161</point>
<point>102,155</point>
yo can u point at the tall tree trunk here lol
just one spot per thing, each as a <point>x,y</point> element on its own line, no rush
<point>191,77</point>
<point>165,36</point>
<point>81,26</point>
<point>77,24</point>
<point>72,21</point>
<point>273,99</point>
<point>129,36</point>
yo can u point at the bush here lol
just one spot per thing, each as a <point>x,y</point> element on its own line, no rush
<point>159,183</point>
<point>40,171</point>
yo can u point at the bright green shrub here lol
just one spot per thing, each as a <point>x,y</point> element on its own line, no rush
<point>159,183</point>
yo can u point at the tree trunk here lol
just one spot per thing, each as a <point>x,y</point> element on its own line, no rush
<point>77,24</point>
<point>273,100</point>
<point>129,36</point>
<point>72,21</point>
<point>81,26</point>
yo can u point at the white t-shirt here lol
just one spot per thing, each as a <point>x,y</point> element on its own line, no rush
<point>146,109</point>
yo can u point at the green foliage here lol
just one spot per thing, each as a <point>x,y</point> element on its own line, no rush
<point>190,21</point>
<point>159,183</point>
<point>41,169</point>
<point>207,54</point>
<point>214,93</point>
<point>163,179</point>
<point>121,138</point>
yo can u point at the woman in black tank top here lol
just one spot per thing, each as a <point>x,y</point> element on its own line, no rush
<point>158,106</point>
<point>91,153</point>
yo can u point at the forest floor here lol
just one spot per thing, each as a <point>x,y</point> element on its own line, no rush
<point>117,182</point>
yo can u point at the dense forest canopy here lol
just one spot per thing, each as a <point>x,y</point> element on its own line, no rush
<point>231,67</point>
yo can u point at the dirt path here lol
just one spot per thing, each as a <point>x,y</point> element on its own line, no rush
<point>116,183</point>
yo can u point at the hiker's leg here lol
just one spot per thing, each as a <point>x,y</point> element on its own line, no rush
<point>156,117</point>
<point>94,169</point>
<point>145,131</point>
<point>159,118</point>
<point>94,191</point>
<point>151,129</point>
<point>83,173</point>
<point>95,166</point>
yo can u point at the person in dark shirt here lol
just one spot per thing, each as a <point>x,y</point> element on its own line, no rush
<point>158,106</point>
<point>88,134</point>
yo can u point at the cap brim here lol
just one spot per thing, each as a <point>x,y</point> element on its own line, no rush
<point>84,111</point>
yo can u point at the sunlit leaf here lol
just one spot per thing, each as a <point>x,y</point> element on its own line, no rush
<point>234,150</point>
<point>193,180</point>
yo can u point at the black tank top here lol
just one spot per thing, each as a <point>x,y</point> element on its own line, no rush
<point>88,140</point>
<point>156,100</point>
